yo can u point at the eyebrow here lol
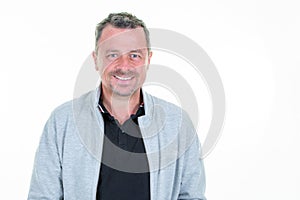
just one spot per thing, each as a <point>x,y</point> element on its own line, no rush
<point>111,50</point>
<point>136,51</point>
<point>117,51</point>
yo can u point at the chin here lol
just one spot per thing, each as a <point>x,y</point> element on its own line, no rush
<point>124,93</point>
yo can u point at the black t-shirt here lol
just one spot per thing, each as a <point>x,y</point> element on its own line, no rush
<point>123,175</point>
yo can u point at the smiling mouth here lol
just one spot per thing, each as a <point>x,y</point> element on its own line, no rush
<point>123,78</point>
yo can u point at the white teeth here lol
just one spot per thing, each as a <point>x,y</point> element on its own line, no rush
<point>123,78</point>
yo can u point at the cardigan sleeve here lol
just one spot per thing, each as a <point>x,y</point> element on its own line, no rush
<point>193,181</point>
<point>46,181</point>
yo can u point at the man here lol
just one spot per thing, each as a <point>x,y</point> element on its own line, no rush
<point>118,142</point>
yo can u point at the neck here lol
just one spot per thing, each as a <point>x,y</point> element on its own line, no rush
<point>121,107</point>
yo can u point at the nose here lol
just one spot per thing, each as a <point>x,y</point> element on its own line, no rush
<point>124,61</point>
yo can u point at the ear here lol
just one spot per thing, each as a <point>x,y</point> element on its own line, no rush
<point>95,60</point>
<point>149,56</point>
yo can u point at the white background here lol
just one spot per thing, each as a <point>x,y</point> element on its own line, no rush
<point>254,45</point>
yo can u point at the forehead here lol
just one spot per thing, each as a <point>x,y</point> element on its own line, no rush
<point>122,39</point>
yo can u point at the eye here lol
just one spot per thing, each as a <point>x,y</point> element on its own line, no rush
<point>135,56</point>
<point>112,56</point>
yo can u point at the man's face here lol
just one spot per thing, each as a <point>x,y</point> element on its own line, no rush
<point>122,60</point>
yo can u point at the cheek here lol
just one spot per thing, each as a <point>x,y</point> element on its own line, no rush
<point>142,72</point>
<point>105,71</point>
<point>102,66</point>
<point>100,62</point>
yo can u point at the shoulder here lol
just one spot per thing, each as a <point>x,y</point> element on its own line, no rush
<point>160,103</point>
<point>168,110</point>
<point>68,108</point>
<point>162,110</point>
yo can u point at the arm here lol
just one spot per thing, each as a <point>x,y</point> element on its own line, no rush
<point>193,177</point>
<point>46,181</point>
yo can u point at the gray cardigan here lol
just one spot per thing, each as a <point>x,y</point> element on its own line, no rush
<point>67,161</point>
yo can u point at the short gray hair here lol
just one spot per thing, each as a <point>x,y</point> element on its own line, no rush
<point>121,20</point>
